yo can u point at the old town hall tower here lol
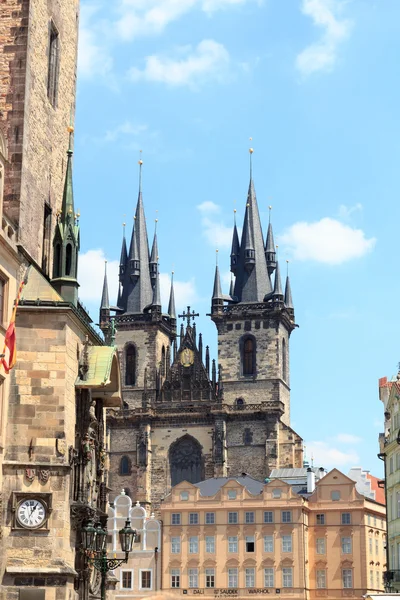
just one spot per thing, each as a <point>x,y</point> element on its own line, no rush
<point>187,417</point>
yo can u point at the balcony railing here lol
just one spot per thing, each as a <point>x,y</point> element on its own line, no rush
<point>391,577</point>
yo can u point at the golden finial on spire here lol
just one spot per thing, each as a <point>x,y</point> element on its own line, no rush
<point>140,161</point>
<point>216,256</point>
<point>287,267</point>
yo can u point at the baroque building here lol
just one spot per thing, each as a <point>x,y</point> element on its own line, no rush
<point>186,417</point>
<point>238,537</point>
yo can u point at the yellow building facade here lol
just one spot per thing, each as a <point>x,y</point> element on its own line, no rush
<point>230,537</point>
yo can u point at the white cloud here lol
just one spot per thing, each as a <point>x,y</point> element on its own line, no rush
<point>93,57</point>
<point>326,241</point>
<point>216,233</point>
<point>184,291</point>
<point>321,56</point>
<point>91,276</point>
<point>151,17</point>
<point>188,67</point>
<point>328,456</point>
<point>345,212</point>
<point>347,438</point>
<point>125,129</point>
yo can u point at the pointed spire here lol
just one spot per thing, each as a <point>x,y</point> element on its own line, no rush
<point>235,250</point>
<point>270,253</point>
<point>278,294</point>
<point>288,291</point>
<point>137,283</point>
<point>201,346</point>
<point>252,282</point>
<point>156,301</point>
<point>217,291</point>
<point>105,302</point>
<point>124,255</point>
<point>154,255</point>
<point>208,361</point>
<point>232,288</point>
<point>67,208</point>
<point>171,303</point>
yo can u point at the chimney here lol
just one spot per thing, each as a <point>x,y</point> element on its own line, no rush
<point>322,472</point>
<point>310,480</point>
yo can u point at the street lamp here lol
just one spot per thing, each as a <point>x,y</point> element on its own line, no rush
<point>94,544</point>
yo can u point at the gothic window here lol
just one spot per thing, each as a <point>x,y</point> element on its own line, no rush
<point>247,437</point>
<point>68,260</point>
<point>130,366</point>
<point>54,65</point>
<point>284,361</point>
<point>57,260</point>
<point>163,369</point>
<point>186,461</point>
<point>124,466</point>
<point>249,356</point>
<point>239,402</point>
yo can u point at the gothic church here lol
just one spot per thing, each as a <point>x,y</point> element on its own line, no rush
<point>186,418</point>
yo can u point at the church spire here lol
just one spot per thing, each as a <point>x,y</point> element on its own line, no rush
<point>288,293</point>
<point>156,301</point>
<point>137,284</point>
<point>66,241</point>
<point>270,253</point>
<point>171,304</point>
<point>124,256</point>
<point>154,256</point>
<point>105,303</point>
<point>235,251</point>
<point>217,301</point>
<point>277,293</point>
<point>252,279</point>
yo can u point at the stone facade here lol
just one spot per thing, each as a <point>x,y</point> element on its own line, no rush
<point>51,414</point>
<point>34,129</point>
<point>240,538</point>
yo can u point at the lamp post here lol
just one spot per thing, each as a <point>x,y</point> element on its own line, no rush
<point>94,544</point>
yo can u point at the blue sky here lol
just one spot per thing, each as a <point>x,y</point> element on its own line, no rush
<point>315,83</point>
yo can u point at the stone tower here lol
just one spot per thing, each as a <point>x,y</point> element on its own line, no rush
<point>184,417</point>
<point>255,325</point>
<point>38,57</point>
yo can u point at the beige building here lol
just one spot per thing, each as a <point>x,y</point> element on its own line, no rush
<point>389,394</point>
<point>237,537</point>
<point>141,576</point>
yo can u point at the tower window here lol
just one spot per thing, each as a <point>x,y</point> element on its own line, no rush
<point>124,466</point>
<point>163,366</point>
<point>130,367</point>
<point>284,361</point>
<point>68,260</point>
<point>54,65</point>
<point>249,356</point>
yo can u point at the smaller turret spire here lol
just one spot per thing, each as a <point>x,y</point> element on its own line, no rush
<point>288,291</point>
<point>124,256</point>
<point>217,301</point>
<point>154,255</point>
<point>105,302</point>
<point>270,254</point>
<point>156,302</point>
<point>277,293</point>
<point>235,251</point>
<point>232,288</point>
<point>171,304</point>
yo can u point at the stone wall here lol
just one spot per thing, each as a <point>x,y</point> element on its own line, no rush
<point>41,428</point>
<point>36,132</point>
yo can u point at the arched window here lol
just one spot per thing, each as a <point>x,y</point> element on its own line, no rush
<point>249,355</point>
<point>239,402</point>
<point>130,366</point>
<point>284,360</point>
<point>68,260</point>
<point>186,461</point>
<point>125,466</point>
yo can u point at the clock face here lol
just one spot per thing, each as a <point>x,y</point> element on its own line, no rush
<point>31,513</point>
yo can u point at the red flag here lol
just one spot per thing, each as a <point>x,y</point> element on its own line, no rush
<point>10,342</point>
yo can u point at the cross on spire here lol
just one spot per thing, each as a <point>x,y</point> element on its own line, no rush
<point>188,315</point>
